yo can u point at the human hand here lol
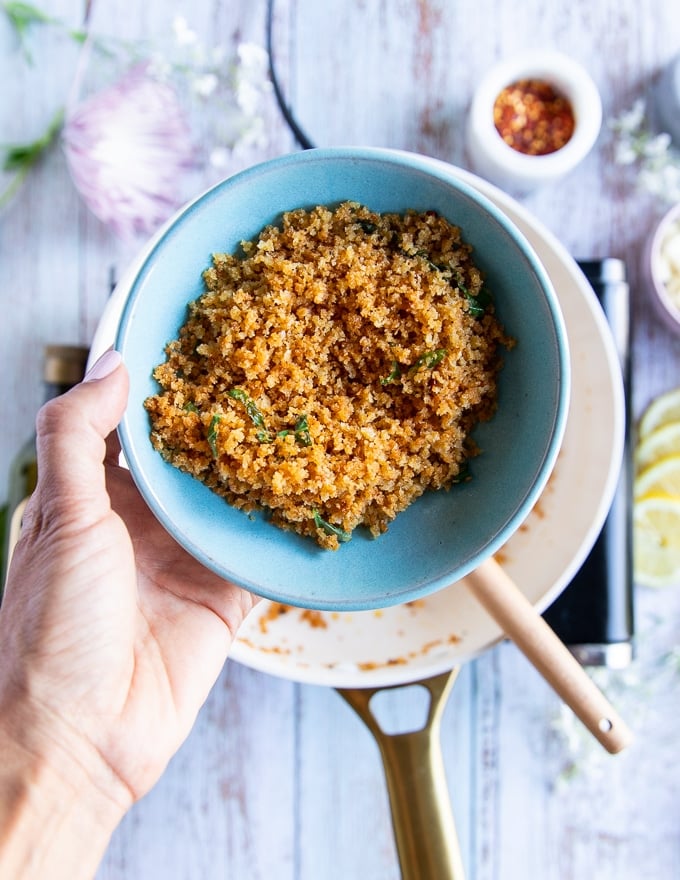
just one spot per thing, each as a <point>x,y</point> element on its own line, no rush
<point>111,635</point>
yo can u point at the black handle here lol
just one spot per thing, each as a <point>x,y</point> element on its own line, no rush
<point>594,614</point>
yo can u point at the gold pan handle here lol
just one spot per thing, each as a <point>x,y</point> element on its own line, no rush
<point>424,829</point>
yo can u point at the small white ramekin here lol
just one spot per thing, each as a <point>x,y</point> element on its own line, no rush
<point>516,172</point>
<point>666,307</point>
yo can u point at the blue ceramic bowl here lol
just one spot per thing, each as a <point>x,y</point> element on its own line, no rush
<point>443,535</point>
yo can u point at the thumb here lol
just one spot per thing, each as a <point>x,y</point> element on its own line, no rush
<point>71,442</point>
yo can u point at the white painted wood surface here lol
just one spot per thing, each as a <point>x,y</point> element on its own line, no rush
<point>280,781</point>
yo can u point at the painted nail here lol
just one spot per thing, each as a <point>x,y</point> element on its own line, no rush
<point>104,366</point>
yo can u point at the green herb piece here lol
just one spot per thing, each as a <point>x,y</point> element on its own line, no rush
<point>394,374</point>
<point>301,432</point>
<point>212,434</point>
<point>429,360</point>
<point>302,435</point>
<point>463,475</point>
<point>426,256</point>
<point>477,305</point>
<point>330,529</point>
<point>190,407</point>
<point>367,226</point>
<point>457,281</point>
<point>254,414</point>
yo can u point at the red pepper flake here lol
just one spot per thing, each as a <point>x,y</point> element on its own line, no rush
<point>532,117</point>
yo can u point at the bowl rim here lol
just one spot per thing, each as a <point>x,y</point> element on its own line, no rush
<point>411,162</point>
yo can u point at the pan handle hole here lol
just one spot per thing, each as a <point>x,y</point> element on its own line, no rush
<point>402,709</point>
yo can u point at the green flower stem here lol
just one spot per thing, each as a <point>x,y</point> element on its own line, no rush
<point>24,16</point>
<point>21,158</point>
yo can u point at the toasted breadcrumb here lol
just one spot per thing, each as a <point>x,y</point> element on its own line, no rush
<point>333,370</point>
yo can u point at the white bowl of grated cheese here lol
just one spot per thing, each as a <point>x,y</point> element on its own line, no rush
<point>663,262</point>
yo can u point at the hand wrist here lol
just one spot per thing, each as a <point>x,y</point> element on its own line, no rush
<point>50,805</point>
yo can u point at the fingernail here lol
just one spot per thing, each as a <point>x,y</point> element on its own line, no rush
<point>104,366</point>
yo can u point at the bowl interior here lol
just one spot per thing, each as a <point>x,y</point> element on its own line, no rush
<point>443,535</point>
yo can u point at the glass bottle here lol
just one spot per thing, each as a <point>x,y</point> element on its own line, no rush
<point>63,367</point>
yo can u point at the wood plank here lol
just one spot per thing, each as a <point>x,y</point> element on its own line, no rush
<point>281,781</point>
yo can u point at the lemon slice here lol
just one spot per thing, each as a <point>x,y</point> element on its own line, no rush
<point>660,478</point>
<point>661,411</point>
<point>662,441</point>
<point>656,541</point>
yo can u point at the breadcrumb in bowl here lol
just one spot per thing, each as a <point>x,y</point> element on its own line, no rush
<point>333,371</point>
<point>252,415</point>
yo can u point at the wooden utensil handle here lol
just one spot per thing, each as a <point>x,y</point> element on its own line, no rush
<point>520,621</point>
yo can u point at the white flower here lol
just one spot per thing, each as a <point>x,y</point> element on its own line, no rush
<point>128,148</point>
<point>253,60</point>
<point>229,110</point>
<point>184,35</point>
<point>625,153</point>
<point>632,119</point>
<point>657,146</point>
<point>251,77</point>
<point>650,154</point>
<point>205,85</point>
<point>219,157</point>
<point>670,176</point>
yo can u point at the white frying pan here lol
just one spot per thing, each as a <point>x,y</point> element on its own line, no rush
<point>425,642</point>
<point>407,642</point>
